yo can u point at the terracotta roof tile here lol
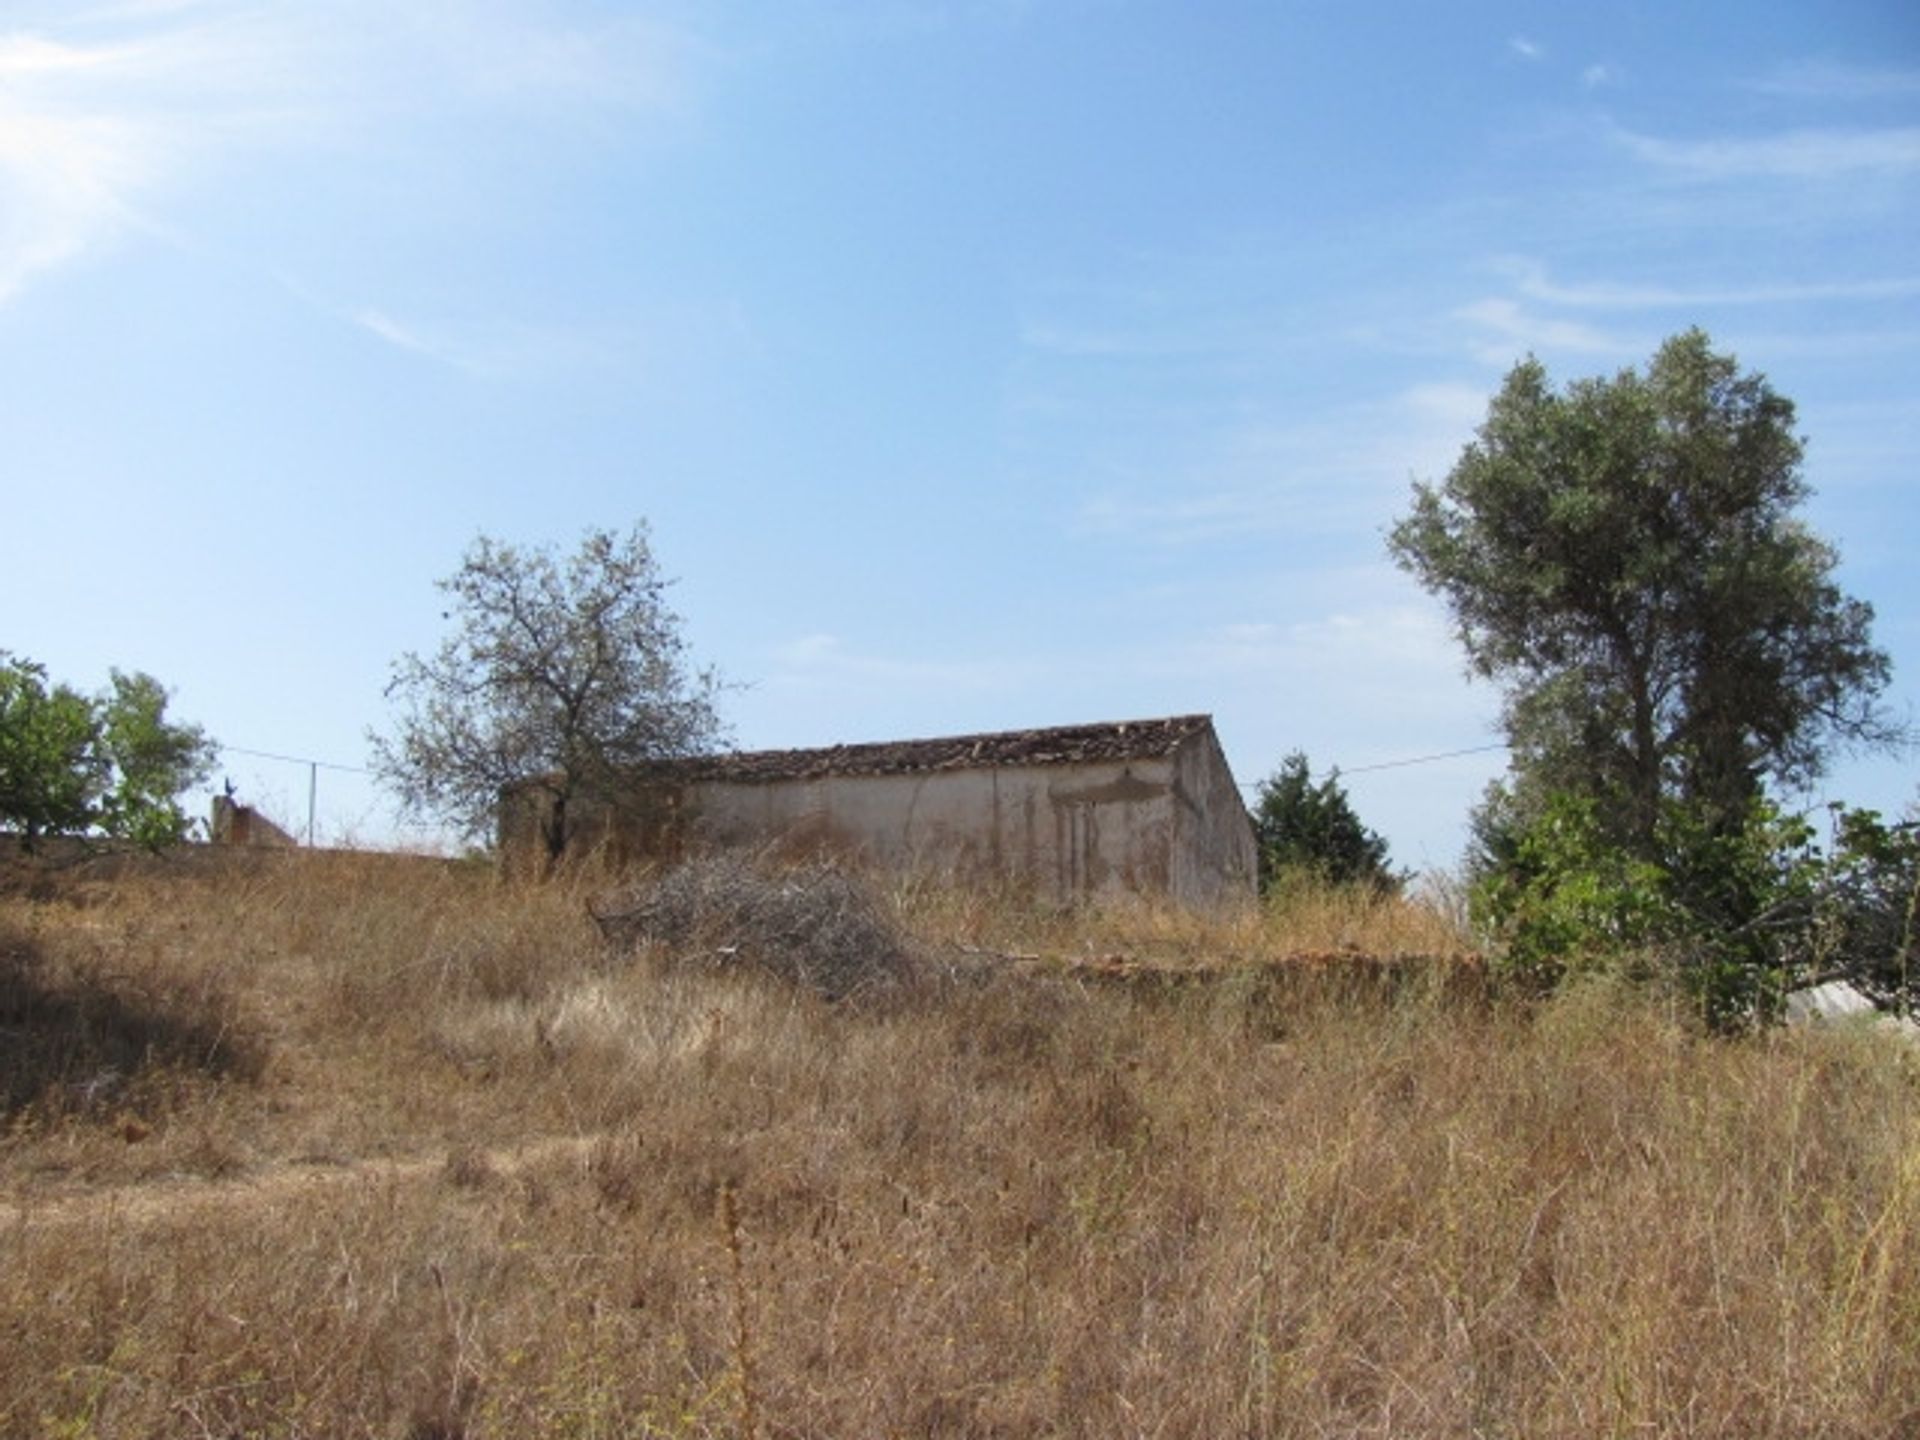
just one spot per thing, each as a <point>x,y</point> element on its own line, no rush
<point>1060,745</point>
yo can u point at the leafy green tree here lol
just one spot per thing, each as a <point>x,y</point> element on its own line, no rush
<point>1624,557</point>
<point>111,765</point>
<point>149,762</point>
<point>560,677</point>
<point>49,759</point>
<point>1303,827</point>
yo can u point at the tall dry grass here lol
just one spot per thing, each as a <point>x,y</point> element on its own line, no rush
<point>479,1176</point>
<point>1302,916</point>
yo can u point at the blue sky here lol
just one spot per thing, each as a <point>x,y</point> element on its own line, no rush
<point>977,365</point>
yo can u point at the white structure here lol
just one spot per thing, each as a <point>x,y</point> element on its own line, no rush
<point>1837,1002</point>
<point>1077,812</point>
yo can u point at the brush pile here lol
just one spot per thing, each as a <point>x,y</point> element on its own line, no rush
<point>814,926</point>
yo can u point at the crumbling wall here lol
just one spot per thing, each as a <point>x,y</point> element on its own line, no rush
<point>237,824</point>
<point>648,824</point>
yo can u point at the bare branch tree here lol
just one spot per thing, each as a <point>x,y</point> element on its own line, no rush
<point>563,674</point>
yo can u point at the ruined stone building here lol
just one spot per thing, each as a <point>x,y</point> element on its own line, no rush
<point>1145,807</point>
<point>237,824</point>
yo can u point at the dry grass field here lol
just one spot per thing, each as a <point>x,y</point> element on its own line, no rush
<point>338,1147</point>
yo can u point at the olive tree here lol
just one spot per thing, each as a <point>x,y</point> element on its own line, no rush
<point>561,674</point>
<point>1625,557</point>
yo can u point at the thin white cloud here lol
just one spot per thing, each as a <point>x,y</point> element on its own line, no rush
<point>1534,283</point>
<point>104,112</point>
<point>28,56</point>
<point>1527,49</point>
<point>1794,155</point>
<point>1507,329</point>
<point>1379,645</point>
<point>497,350</point>
<point>1830,80</point>
<point>1596,75</point>
<point>1839,345</point>
<point>1386,683</point>
<point>805,651</point>
<point>1336,476</point>
<point>378,322</point>
<point>1450,406</point>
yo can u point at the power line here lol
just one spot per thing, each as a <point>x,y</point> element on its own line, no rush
<point>1422,759</point>
<point>294,759</point>
<point>314,767</point>
<point>1396,764</point>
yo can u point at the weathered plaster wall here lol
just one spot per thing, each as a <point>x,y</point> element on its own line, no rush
<point>1168,821</point>
<point>1071,832</point>
<point>1215,856</point>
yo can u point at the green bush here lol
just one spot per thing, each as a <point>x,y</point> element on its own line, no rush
<point>1734,914</point>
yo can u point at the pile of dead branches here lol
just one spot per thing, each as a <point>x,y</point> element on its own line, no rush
<point>815,926</point>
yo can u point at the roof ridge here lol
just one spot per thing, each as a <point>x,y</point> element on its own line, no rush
<point>1054,744</point>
